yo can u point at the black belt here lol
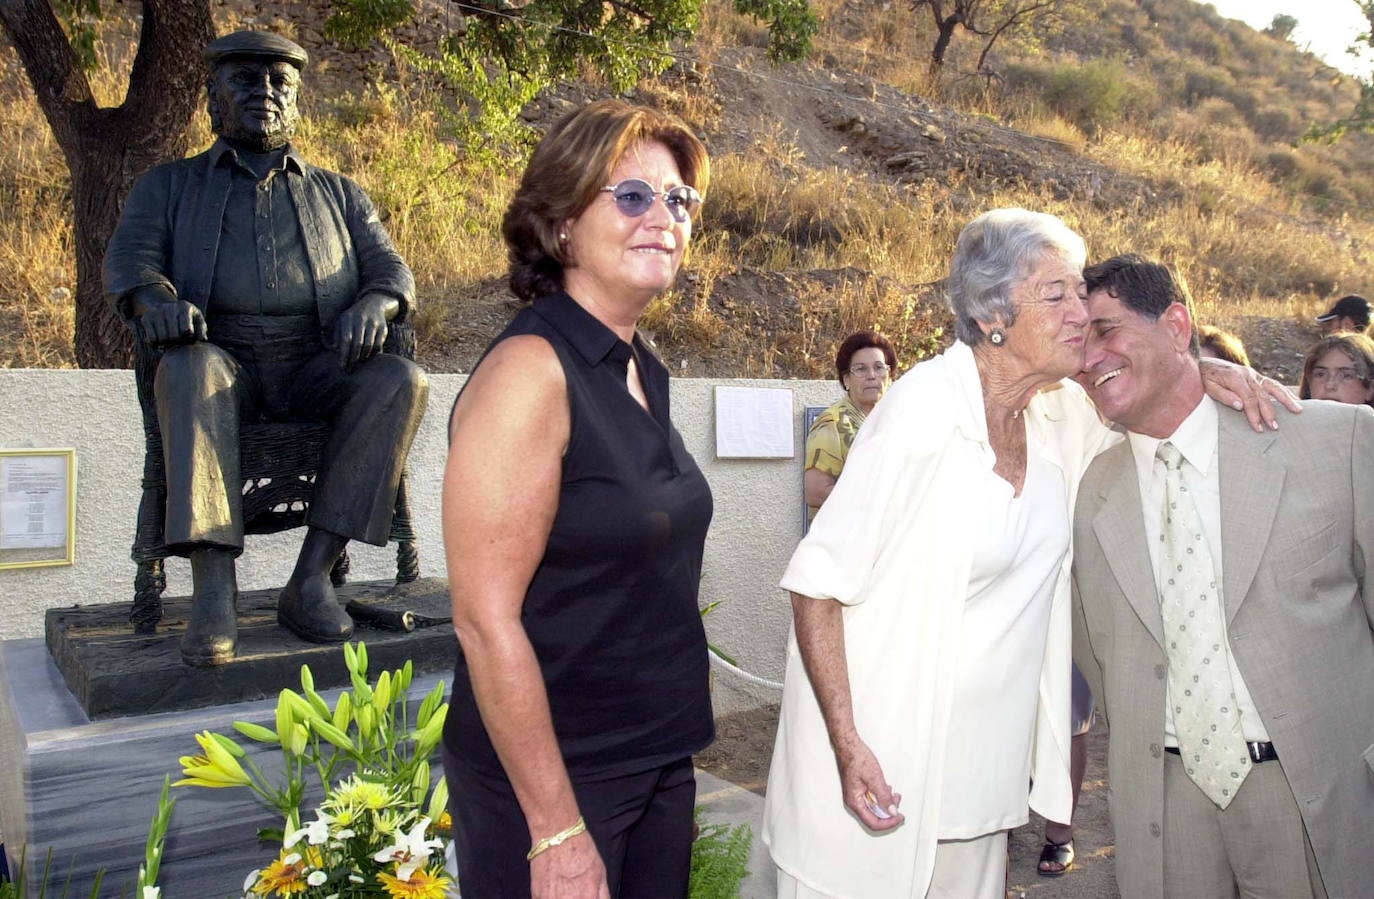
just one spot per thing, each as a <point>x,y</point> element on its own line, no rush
<point>1259,752</point>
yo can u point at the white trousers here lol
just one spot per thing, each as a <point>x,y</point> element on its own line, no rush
<point>964,869</point>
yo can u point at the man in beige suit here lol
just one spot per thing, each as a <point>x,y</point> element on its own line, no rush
<point>1222,618</point>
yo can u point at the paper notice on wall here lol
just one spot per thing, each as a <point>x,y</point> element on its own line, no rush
<point>33,502</point>
<point>753,423</point>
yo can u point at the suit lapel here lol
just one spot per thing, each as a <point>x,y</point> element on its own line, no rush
<point>1251,480</point>
<point>1119,526</point>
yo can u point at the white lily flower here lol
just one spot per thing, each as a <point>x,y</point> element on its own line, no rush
<point>316,878</point>
<point>152,892</point>
<point>410,851</point>
<point>250,881</point>
<point>316,832</point>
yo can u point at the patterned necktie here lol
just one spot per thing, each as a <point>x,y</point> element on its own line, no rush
<point>1206,719</point>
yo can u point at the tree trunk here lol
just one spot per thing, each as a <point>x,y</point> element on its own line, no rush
<point>946,34</point>
<point>107,149</point>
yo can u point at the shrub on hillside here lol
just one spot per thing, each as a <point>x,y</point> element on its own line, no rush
<point>1218,112</point>
<point>1093,95</point>
<point>1279,164</point>
<point>1233,144</point>
<point>1203,82</point>
<point>1276,124</point>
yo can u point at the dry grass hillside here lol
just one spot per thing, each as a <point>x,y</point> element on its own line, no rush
<point>840,182</point>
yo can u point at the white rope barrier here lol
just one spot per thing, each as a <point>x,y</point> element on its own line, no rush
<point>741,673</point>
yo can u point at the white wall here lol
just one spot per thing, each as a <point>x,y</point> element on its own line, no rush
<point>757,511</point>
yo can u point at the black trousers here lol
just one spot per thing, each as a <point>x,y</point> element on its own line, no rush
<point>271,369</point>
<point>641,824</point>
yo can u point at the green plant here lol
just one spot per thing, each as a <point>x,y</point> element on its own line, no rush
<point>711,647</point>
<point>145,887</point>
<point>720,860</point>
<point>376,832</point>
<point>1092,95</point>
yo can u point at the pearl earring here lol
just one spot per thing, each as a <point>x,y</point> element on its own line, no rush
<point>997,336</point>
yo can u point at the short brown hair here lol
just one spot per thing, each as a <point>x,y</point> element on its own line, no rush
<point>1359,347</point>
<point>568,169</point>
<point>1144,286</point>
<point>862,340</point>
<point>1223,344</point>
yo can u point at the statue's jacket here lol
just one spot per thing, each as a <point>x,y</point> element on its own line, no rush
<point>170,229</point>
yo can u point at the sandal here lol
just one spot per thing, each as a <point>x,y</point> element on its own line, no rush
<point>1057,855</point>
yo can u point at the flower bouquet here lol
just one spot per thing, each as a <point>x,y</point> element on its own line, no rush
<point>380,830</point>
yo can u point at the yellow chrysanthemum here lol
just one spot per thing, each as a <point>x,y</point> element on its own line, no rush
<point>342,816</point>
<point>284,877</point>
<point>421,885</point>
<point>388,822</point>
<point>362,794</point>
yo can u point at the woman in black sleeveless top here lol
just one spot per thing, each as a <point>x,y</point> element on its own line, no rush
<point>574,521</point>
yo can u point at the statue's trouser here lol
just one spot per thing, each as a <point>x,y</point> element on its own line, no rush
<point>264,367</point>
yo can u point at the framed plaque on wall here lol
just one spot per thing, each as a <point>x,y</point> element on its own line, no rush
<point>37,507</point>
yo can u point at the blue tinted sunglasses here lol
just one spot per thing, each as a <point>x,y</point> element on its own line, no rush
<point>634,196</point>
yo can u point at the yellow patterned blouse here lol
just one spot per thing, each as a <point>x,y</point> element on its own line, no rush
<point>827,443</point>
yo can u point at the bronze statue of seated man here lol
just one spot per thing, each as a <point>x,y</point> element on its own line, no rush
<point>271,284</point>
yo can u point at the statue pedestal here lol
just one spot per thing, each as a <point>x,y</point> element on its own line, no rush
<point>114,672</point>
<point>86,789</point>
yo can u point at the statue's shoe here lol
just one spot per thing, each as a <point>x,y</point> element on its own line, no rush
<point>311,612</point>
<point>212,636</point>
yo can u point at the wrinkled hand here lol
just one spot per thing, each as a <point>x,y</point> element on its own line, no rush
<point>861,777</point>
<point>361,329</point>
<point>166,319</point>
<point>572,870</point>
<point>1245,389</point>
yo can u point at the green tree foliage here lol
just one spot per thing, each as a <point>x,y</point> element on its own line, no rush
<point>503,54</point>
<point>1282,26</point>
<point>1361,118</point>
<point>81,19</point>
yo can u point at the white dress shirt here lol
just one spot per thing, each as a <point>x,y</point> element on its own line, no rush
<point>1196,439</point>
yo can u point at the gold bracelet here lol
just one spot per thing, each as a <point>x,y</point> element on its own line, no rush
<point>557,839</point>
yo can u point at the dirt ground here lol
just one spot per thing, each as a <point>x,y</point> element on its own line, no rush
<point>744,746</point>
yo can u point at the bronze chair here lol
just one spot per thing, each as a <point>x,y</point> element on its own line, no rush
<point>278,461</point>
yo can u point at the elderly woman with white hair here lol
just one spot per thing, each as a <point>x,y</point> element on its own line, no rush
<point>928,674</point>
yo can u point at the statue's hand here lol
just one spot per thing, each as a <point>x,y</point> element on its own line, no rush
<point>362,328</point>
<point>167,320</point>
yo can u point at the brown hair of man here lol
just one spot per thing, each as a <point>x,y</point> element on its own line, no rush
<point>1143,286</point>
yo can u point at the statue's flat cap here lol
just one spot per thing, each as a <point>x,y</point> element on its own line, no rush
<point>255,45</point>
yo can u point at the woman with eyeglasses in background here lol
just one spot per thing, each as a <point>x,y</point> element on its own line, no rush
<point>574,523</point>
<point>865,364</point>
<point>1340,368</point>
